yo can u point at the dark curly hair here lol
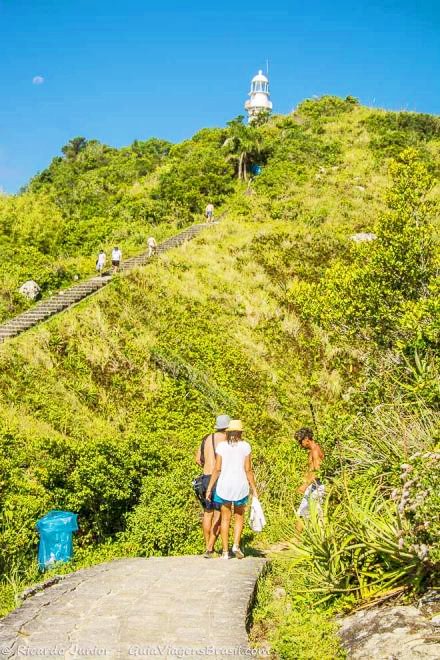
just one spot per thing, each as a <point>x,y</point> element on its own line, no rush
<point>303,434</point>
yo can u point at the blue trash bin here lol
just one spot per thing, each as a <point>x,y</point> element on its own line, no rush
<point>55,530</point>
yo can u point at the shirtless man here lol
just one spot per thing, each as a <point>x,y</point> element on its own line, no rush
<point>312,488</point>
<point>211,510</point>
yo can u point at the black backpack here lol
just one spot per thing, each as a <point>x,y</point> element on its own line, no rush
<point>199,482</point>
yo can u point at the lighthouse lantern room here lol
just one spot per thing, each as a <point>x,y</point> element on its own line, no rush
<point>259,96</point>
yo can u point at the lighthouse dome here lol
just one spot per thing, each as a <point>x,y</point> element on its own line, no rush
<point>260,77</point>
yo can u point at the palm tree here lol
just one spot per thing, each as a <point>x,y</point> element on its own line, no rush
<point>244,144</point>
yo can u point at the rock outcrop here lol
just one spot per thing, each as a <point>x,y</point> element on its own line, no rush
<point>363,237</point>
<point>30,290</point>
<point>390,633</point>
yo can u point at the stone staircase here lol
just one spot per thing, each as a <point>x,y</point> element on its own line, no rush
<point>68,297</point>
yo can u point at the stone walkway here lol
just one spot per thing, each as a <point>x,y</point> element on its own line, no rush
<point>168,607</point>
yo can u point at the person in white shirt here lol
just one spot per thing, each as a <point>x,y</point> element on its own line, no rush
<point>100,262</point>
<point>116,259</point>
<point>209,212</point>
<point>152,246</point>
<point>232,477</point>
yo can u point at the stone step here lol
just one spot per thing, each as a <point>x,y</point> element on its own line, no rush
<point>89,284</point>
<point>59,305</point>
<point>19,328</point>
<point>81,292</point>
<point>75,295</point>
<point>32,312</point>
<point>32,319</point>
<point>51,304</point>
<point>37,317</point>
<point>16,322</point>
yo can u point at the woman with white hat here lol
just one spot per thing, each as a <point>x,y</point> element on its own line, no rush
<point>233,474</point>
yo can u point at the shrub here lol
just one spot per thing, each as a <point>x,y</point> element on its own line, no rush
<point>392,132</point>
<point>165,522</point>
<point>326,107</point>
<point>371,294</point>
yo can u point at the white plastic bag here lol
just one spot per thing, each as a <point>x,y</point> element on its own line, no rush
<point>257,520</point>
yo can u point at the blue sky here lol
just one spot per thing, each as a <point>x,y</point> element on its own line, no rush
<point>120,70</point>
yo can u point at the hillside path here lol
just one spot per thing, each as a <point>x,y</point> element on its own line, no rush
<point>166,607</point>
<point>73,295</point>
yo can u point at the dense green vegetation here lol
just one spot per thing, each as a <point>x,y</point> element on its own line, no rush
<point>270,314</point>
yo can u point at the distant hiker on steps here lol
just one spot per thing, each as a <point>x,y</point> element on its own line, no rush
<point>209,212</point>
<point>205,457</point>
<point>116,259</point>
<point>100,262</point>
<point>233,469</point>
<point>312,488</point>
<point>152,246</point>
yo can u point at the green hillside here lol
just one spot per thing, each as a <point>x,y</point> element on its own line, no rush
<point>274,315</point>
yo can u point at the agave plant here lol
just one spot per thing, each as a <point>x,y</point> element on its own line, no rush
<point>382,561</point>
<point>354,546</point>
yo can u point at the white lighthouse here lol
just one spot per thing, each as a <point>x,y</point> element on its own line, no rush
<point>259,96</point>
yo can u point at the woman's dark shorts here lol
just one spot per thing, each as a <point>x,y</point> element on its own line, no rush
<point>209,505</point>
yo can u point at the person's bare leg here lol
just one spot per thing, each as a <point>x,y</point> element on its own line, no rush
<point>216,524</point>
<point>215,531</point>
<point>206,526</point>
<point>299,525</point>
<point>238,528</point>
<point>225,524</point>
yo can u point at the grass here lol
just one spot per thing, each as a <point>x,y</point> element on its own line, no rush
<point>291,624</point>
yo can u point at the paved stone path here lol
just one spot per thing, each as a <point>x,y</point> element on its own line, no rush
<point>69,297</point>
<point>166,607</point>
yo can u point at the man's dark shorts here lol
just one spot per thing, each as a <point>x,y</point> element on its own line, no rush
<point>209,505</point>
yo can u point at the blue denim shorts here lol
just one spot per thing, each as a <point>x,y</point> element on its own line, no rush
<point>220,500</point>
